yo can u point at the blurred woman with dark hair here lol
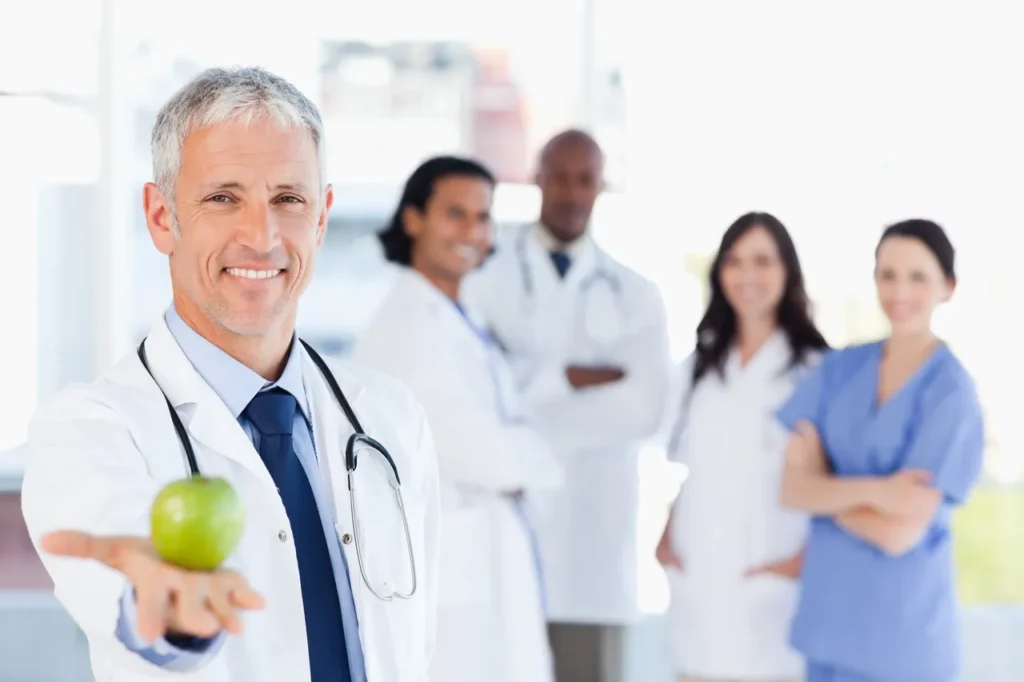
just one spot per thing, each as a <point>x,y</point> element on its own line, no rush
<point>732,552</point>
<point>491,622</point>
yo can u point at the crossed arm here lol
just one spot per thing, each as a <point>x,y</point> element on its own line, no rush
<point>890,512</point>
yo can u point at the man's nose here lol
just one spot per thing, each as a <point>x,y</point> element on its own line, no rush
<point>579,194</point>
<point>259,229</point>
<point>473,228</point>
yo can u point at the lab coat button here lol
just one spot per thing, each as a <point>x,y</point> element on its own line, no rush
<point>346,539</point>
<point>282,536</point>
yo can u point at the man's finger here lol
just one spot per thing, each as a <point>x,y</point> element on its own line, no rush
<point>70,543</point>
<point>220,604</point>
<point>113,551</point>
<point>240,594</point>
<point>245,597</point>
<point>192,614</point>
<point>73,543</point>
<point>151,610</point>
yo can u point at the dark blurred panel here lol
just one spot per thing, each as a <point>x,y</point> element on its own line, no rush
<point>20,567</point>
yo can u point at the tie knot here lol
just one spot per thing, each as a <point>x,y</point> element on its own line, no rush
<point>562,262</point>
<point>272,412</point>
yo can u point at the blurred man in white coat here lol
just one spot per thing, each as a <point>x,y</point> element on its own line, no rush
<point>588,344</point>
<point>491,459</point>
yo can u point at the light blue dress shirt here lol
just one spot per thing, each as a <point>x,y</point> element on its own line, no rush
<point>236,385</point>
<point>865,616</point>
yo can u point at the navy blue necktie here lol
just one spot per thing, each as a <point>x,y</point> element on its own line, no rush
<point>272,414</point>
<point>562,262</point>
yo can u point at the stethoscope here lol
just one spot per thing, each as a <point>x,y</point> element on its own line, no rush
<point>602,273</point>
<point>350,464</point>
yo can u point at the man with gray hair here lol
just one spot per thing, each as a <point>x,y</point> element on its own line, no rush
<point>319,588</point>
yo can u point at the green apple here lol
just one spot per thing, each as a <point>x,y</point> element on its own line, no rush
<point>196,523</point>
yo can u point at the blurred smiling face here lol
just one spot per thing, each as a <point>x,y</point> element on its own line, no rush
<point>453,234</point>
<point>250,217</point>
<point>752,275</point>
<point>910,284</point>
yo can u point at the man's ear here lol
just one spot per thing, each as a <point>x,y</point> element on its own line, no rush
<point>159,218</point>
<point>412,221</point>
<point>325,215</point>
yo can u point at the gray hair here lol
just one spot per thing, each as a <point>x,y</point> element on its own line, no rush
<point>217,95</point>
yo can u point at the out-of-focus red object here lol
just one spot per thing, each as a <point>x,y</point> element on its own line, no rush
<point>499,123</point>
<point>20,568</point>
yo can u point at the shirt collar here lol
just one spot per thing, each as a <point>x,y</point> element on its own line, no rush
<point>549,243</point>
<point>235,383</point>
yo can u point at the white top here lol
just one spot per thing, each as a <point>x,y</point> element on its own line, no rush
<point>728,520</point>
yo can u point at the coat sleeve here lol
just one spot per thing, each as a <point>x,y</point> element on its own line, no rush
<point>84,472</point>
<point>631,409</point>
<point>476,445</point>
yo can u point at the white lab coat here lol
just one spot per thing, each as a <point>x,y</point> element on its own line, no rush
<point>588,528</point>
<point>727,519</point>
<point>490,620</point>
<point>98,454</point>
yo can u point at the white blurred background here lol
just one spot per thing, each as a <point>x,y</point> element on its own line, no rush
<point>836,118</point>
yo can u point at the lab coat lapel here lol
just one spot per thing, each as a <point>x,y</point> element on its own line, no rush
<point>202,412</point>
<point>469,334</point>
<point>583,265</point>
<point>331,433</point>
<point>556,300</point>
<point>765,366</point>
<point>542,269</point>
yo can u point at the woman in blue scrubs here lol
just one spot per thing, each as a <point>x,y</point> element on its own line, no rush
<point>887,438</point>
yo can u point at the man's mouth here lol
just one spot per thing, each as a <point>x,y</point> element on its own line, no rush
<point>466,252</point>
<point>248,273</point>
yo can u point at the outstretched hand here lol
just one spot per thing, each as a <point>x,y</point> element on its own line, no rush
<point>170,600</point>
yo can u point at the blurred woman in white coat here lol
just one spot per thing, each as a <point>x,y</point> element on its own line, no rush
<point>733,554</point>
<point>491,619</point>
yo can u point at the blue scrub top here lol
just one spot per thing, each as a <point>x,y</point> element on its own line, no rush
<point>862,614</point>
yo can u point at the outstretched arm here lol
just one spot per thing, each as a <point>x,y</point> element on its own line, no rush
<point>85,499</point>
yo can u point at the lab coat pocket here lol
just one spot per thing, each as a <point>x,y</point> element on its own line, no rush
<point>466,571</point>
